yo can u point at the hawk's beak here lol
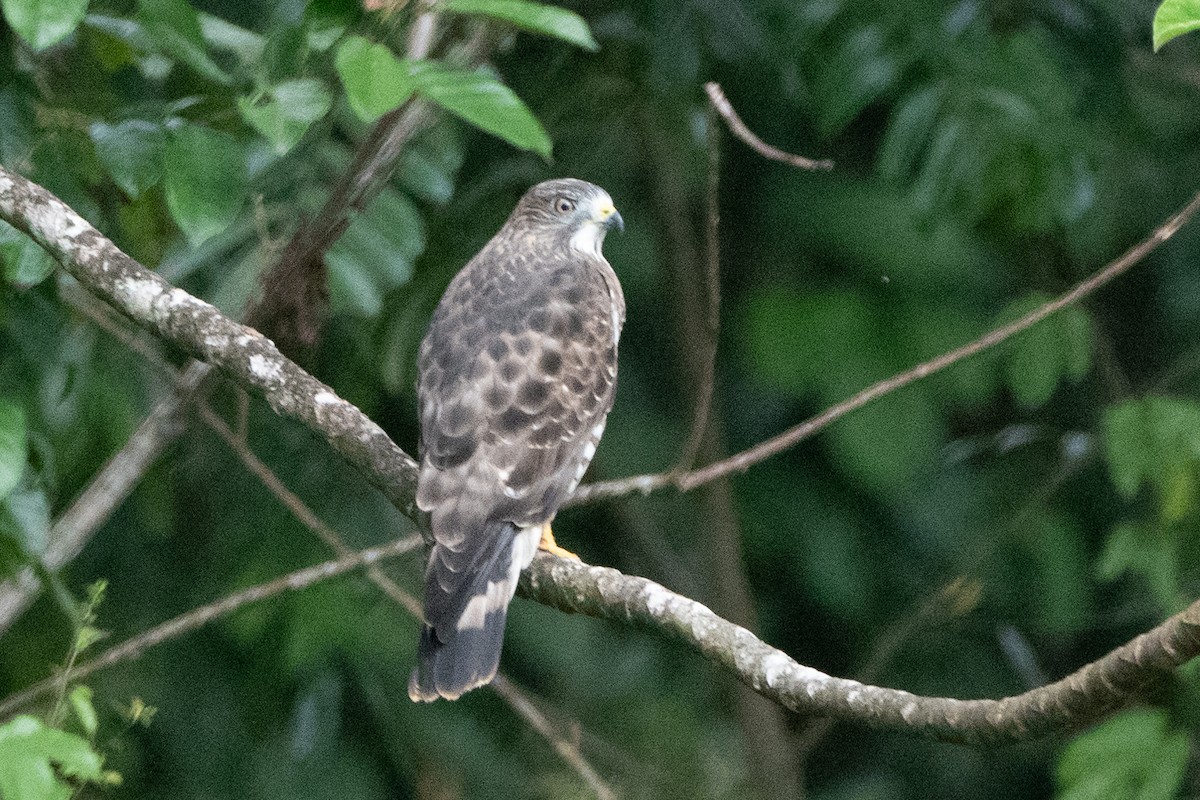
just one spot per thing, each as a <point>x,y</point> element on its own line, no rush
<point>611,218</point>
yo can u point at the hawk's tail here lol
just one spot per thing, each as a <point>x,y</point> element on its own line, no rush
<point>463,632</point>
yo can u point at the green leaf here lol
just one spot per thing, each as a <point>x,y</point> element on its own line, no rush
<point>81,702</point>
<point>1175,18</point>
<point>132,152</point>
<point>205,181</point>
<point>375,254</point>
<point>1135,755</point>
<point>535,17</point>
<point>326,20</point>
<point>284,113</point>
<point>1155,440</point>
<point>13,446</point>
<point>25,517</point>
<point>175,27</point>
<point>30,752</point>
<point>87,636</point>
<point>1148,553</point>
<point>428,167</point>
<point>376,81</point>
<point>221,35</point>
<point>484,102</point>
<point>42,23</point>
<point>1039,358</point>
<point>25,263</point>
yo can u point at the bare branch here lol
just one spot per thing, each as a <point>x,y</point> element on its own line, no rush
<point>198,617</point>
<point>1076,700</point>
<point>375,161</point>
<point>253,362</point>
<point>240,352</point>
<point>721,103</point>
<point>566,749</point>
<point>759,452</point>
<point>712,311</point>
<point>108,489</point>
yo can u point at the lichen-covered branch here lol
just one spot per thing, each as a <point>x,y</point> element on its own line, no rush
<point>1076,700</point>
<point>197,327</point>
<point>252,361</point>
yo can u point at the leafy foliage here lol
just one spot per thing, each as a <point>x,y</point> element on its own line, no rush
<point>1175,18</point>
<point>43,23</point>
<point>1101,763</point>
<point>1041,357</point>
<point>549,20</point>
<point>32,756</point>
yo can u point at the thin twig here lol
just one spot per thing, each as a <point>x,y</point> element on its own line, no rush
<point>107,490</point>
<point>721,103</point>
<point>712,327</point>
<point>198,617</point>
<point>566,749</point>
<point>763,450</point>
<point>301,511</point>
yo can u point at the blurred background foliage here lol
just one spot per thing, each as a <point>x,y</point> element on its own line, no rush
<point>974,535</point>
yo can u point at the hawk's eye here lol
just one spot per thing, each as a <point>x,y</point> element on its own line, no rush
<point>564,205</point>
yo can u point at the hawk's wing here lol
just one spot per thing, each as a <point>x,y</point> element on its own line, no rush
<point>516,378</point>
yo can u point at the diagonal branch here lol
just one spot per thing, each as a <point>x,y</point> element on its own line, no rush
<point>242,353</point>
<point>566,749</point>
<point>763,450</point>
<point>292,291</point>
<point>253,362</point>
<point>199,617</point>
<point>1079,699</point>
<point>742,131</point>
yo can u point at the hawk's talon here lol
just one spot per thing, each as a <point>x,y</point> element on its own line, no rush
<point>550,546</point>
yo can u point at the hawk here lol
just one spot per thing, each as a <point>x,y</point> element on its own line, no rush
<point>516,376</point>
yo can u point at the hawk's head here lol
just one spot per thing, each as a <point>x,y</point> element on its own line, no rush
<point>570,209</point>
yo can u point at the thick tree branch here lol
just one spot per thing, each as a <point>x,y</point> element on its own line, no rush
<point>1076,700</point>
<point>253,362</point>
<point>291,288</point>
<point>242,353</point>
<point>742,461</point>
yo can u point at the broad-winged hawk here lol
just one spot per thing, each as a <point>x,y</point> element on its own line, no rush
<point>515,380</point>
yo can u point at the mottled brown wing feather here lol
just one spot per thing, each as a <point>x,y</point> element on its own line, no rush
<point>516,372</point>
<point>515,379</point>
<point>517,369</point>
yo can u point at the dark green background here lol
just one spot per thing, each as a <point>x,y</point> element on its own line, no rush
<point>989,154</point>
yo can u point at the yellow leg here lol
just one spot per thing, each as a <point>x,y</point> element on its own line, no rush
<point>550,546</point>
